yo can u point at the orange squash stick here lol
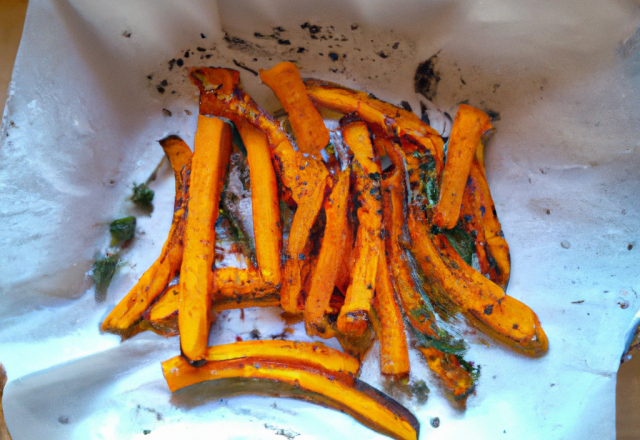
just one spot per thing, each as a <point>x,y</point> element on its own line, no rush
<point>468,127</point>
<point>354,315</point>
<point>331,251</point>
<point>307,124</point>
<point>264,202</point>
<point>210,160</point>
<point>394,353</point>
<point>130,309</point>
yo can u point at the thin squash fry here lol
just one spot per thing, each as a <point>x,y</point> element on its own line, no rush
<point>354,315</point>
<point>333,248</point>
<point>485,303</point>
<point>385,117</point>
<point>264,202</point>
<point>318,385</point>
<point>210,159</point>
<point>303,220</point>
<point>394,353</point>
<point>131,308</point>
<point>456,380</point>
<point>307,124</point>
<point>468,127</point>
<point>496,243</point>
<point>471,222</point>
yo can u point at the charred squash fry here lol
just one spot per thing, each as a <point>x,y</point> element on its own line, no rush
<point>307,124</point>
<point>264,202</point>
<point>496,243</point>
<point>394,353</point>
<point>318,385</point>
<point>210,159</point>
<point>354,315</point>
<point>485,303</point>
<point>303,220</point>
<point>437,347</point>
<point>333,248</point>
<point>383,116</point>
<point>468,127</point>
<point>471,221</point>
<point>305,178</point>
<point>454,377</point>
<point>130,309</point>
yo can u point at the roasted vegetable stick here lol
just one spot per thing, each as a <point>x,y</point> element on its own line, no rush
<point>354,315</point>
<point>264,202</point>
<point>221,95</point>
<point>327,388</point>
<point>210,159</point>
<point>303,220</point>
<point>471,222</point>
<point>468,127</point>
<point>394,353</point>
<point>333,248</point>
<point>307,124</point>
<point>130,309</point>
<point>456,380</point>
<point>385,117</point>
<point>496,243</point>
<point>485,303</point>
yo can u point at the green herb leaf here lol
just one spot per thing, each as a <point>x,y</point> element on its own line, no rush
<point>462,242</point>
<point>142,196</point>
<point>122,229</point>
<point>103,270</point>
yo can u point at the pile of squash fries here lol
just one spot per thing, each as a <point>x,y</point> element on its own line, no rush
<point>384,264</point>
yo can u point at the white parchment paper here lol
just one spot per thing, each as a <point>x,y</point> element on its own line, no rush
<point>81,124</point>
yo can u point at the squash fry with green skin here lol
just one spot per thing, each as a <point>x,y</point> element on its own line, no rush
<point>131,308</point>
<point>483,302</point>
<point>333,247</point>
<point>307,124</point>
<point>320,385</point>
<point>468,127</point>
<point>354,315</point>
<point>209,164</point>
<point>385,117</point>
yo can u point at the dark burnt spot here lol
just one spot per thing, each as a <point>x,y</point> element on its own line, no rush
<point>126,34</point>
<point>186,54</point>
<point>301,49</point>
<point>164,83</point>
<point>382,54</point>
<point>284,42</point>
<point>201,49</point>
<point>630,247</point>
<point>171,63</point>
<point>160,89</point>
<point>179,62</point>
<point>464,83</point>
<point>395,45</point>
<point>488,310</point>
<point>166,113</point>
<point>242,66</point>
<point>334,56</point>
<point>405,105</point>
<point>279,29</point>
<point>426,78</point>
<point>494,116</point>
<point>203,36</point>
<point>150,76</point>
<point>354,26</point>
<point>515,326</point>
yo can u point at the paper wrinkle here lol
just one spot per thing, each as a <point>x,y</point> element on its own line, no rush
<point>563,80</point>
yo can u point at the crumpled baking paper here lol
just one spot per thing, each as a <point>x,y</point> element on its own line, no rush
<point>80,127</point>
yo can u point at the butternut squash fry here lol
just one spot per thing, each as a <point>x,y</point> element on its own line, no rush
<point>264,202</point>
<point>471,222</point>
<point>468,127</point>
<point>307,124</point>
<point>496,243</point>
<point>130,309</point>
<point>318,385</point>
<point>354,315</point>
<point>210,159</point>
<point>456,380</point>
<point>383,116</point>
<point>483,302</point>
<point>221,95</point>
<point>333,248</point>
<point>394,353</point>
<point>303,220</point>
